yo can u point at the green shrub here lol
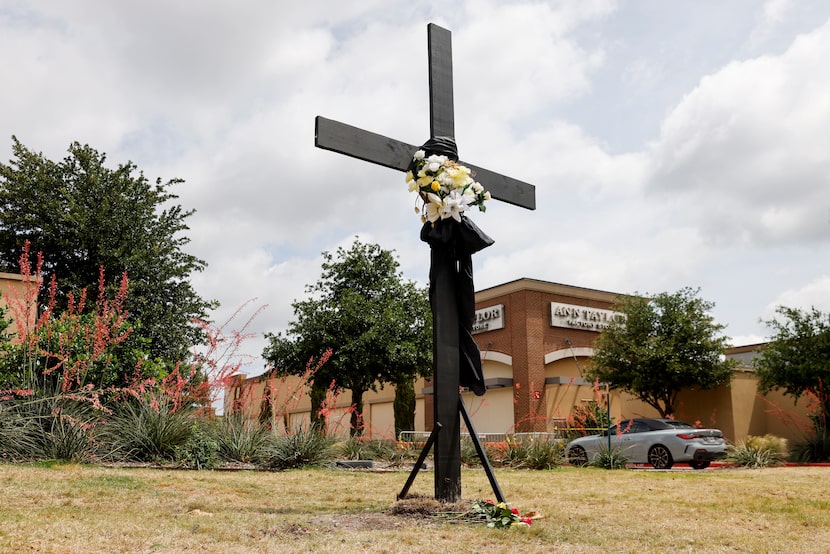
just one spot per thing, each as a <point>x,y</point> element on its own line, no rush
<point>402,452</point>
<point>241,440</point>
<point>362,448</point>
<point>543,454</point>
<point>303,446</point>
<point>381,449</point>
<point>610,458</point>
<point>50,428</point>
<point>201,451</point>
<point>515,453</point>
<point>815,448</point>
<point>353,448</point>
<point>469,454</point>
<point>757,452</point>
<point>140,431</point>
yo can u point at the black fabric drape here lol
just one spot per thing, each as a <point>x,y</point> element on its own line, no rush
<point>454,243</point>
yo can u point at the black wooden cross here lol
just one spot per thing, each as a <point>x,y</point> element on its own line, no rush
<point>381,150</point>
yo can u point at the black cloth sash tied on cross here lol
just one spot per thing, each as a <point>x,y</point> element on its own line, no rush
<point>453,243</point>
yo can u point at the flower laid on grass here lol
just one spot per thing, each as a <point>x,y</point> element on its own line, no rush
<point>446,187</point>
<point>499,516</point>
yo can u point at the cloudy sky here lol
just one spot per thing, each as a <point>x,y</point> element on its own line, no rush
<point>672,143</point>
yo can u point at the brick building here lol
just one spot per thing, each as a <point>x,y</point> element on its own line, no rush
<point>536,340</point>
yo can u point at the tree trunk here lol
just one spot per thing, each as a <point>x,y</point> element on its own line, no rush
<point>404,406</point>
<point>357,413</point>
<point>318,395</point>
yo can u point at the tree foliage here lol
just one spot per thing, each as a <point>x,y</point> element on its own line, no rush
<point>377,325</point>
<point>797,359</point>
<point>83,216</point>
<point>664,344</point>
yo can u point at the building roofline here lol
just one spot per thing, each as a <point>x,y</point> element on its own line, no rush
<point>526,283</point>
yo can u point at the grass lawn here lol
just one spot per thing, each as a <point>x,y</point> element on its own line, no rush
<point>73,508</point>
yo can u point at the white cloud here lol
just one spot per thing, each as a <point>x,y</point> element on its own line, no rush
<point>747,148</point>
<point>815,294</point>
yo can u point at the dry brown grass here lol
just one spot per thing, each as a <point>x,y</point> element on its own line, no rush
<point>70,508</point>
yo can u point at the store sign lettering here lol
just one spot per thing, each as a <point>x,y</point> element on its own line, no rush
<point>580,317</point>
<point>489,319</point>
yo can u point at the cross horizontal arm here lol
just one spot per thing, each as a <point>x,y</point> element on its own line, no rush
<point>378,149</point>
<point>504,188</point>
<point>363,145</point>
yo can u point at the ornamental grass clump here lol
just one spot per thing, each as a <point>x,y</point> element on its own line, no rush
<point>51,428</point>
<point>241,440</point>
<point>469,454</point>
<point>543,454</point>
<point>362,448</point>
<point>147,432</point>
<point>816,446</point>
<point>758,452</point>
<point>610,458</point>
<point>304,446</point>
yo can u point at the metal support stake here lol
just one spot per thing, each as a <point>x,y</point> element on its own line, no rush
<point>482,455</point>
<point>430,441</point>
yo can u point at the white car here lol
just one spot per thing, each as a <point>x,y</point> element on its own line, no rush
<point>656,441</point>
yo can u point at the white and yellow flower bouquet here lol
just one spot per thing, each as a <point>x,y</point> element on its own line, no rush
<point>445,187</point>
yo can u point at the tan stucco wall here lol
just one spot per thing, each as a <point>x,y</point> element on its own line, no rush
<point>18,295</point>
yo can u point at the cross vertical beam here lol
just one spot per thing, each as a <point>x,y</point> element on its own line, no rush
<point>441,110</point>
<point>445,377</point>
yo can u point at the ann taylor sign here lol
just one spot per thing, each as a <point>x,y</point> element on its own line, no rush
<point>580,317</point>
<point>489,319</point>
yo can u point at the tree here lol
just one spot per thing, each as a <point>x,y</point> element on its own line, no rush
<point>662,345</point>
<point>83,216</point>
<point>376,324</point>
<point>797,359</point>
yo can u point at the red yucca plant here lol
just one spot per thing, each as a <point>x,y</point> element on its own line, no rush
<point>74,349</point>
<point>588,418</point>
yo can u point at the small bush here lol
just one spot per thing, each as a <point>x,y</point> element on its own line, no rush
<point>815,448</point>
<point>362,448</point>
<point>403,452</point>
<point>51,428</point>
<point>543,454</point>
<point>241,440</point>
<point>142,432</point>
<point>304,446</point>
<point>515,452</point>
<point>757,452</point>
<point>469,454</point>
<point>354,448</point>
<point>201,451</point>
<point>610,458</point>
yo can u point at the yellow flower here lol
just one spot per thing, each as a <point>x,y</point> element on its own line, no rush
<point>436,186</point>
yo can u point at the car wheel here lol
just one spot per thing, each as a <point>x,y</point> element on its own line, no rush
<point>698,465</point>
<point>577,456</point>
<point>660,457</point>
